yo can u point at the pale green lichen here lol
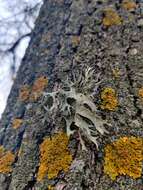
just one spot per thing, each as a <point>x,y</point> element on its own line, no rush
<point>77,107</point>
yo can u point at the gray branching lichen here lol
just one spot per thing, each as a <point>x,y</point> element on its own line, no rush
<point>77,107</point>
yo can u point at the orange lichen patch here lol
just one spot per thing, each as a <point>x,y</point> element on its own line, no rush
<point>54,156</point>
<point>50,187</point>
<point>24,93</point>
<point>111,18</point>
<point>124,157</point>
<point>6,160</point>
<point>17,123</point>
<point>140,93</point>
<point>38,87</point>
<point>116,73</point>
<point>129,5</point>
<point>109,99</point>
<point>1,150</point>
<point>75,40</point>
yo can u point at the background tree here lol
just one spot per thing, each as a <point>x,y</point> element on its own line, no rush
<point>74,115</point>
<point>16,22</point>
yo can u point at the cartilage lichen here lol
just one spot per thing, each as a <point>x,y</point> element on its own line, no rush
<point>83,112</point>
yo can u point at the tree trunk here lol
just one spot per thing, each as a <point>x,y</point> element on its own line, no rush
<point>71,40</point>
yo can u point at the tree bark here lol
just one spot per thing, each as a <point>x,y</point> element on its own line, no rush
<point>70,36</point>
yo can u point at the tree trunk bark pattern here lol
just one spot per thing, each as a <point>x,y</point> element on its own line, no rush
<point>70,35</point>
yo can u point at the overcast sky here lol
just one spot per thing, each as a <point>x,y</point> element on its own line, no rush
<point>9,32</point>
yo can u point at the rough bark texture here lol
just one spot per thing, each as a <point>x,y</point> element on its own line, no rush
<point>68,36</point>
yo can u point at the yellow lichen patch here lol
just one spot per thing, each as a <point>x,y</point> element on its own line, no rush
<point>6,160</point>
<point>38,87</point>
<point>129,5</point>
<point>50,187</point>
<point>111,18</point>
<point>24,93</point>
<point>124,157</point>
<point>116,73</point>
<point>75,40</point>
<point>17,123</point>
<point>54,156</point>
<point>109,99</point>
<point>140,93</point>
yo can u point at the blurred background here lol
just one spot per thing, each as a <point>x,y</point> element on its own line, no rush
<point>17,19</point>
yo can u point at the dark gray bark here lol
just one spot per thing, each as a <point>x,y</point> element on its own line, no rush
<point>53,53</point>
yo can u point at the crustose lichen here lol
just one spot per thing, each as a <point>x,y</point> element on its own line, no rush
<point>129,5</point>
<point>77,107</point>
<point>124,157</point>
<point>6,160</point>
<point>109,99</point>
<point>54,156</point>
<point>140,93</point>
<point>111,18</point>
